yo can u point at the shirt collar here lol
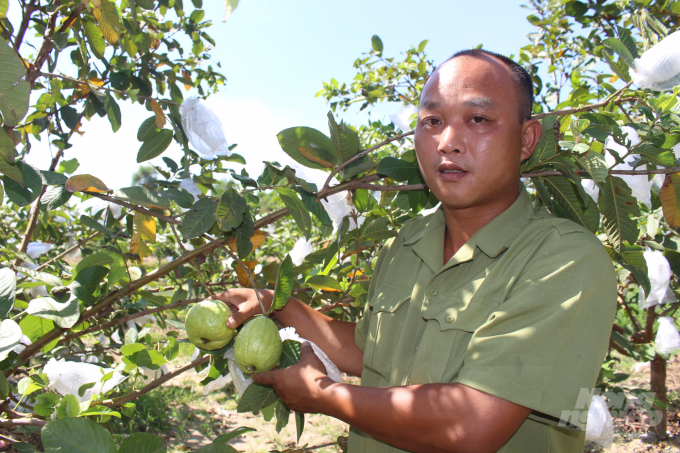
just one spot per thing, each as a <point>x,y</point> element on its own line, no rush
<point>493,239</point>
<point>496,236</point>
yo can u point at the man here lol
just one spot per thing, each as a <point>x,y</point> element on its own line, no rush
<point>485,319</point>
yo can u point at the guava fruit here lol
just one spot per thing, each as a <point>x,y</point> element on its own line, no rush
<point>258,346</point>
<point>206,325</point>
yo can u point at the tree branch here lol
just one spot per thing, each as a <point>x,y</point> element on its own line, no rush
<point>63,254</point>
<point>322,193</point>
<point>24,422</point>
<point>35,212</point>
<point>155,384</point>
<point>125,319</point>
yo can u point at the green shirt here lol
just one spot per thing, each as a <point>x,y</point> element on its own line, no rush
<point>522,311</point>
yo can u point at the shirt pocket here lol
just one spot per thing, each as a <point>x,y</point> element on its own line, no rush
<point>451,322</point>
<point>388,315</point>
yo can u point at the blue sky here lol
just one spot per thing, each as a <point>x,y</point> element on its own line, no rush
<point>276,55</point>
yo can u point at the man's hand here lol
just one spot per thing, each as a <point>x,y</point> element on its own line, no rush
<point>299,386</point>
<point>243,304</point>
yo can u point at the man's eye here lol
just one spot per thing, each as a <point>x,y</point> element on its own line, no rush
<point>478,120</point>
<point>430,121</point>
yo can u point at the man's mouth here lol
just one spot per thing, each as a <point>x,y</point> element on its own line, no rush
<point>450,171</point>
<point>453,171</point>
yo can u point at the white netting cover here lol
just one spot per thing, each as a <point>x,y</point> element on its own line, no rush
<point>203,128</point>
<point>600,425</point>
<point>300,250</point>
<point>640,185</point>
<point>667,337</point>
<point>659,67</point>
<point>659,273</point>
<point>67,377</point>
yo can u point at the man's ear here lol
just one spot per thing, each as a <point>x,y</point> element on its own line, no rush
<point>531,134</point>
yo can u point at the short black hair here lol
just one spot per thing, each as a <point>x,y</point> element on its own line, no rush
<point>525,87</point>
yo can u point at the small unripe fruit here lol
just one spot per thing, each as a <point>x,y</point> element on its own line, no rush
<point>206,324</point>
<point>258,346</point>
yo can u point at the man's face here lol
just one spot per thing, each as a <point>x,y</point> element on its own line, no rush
<point>469,140</point>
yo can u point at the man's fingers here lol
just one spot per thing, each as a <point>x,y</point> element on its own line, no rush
<point>266,378</point>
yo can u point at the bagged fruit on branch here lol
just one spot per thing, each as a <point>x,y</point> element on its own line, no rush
<point>67,378</point>
<point>667,337</point>
<point>659,273</point>
<point>203,129</point>
<point>659,68</point>
<point>600,425</point>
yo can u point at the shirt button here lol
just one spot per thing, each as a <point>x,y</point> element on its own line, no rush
<point>450,318</point>
<point>433,291</point>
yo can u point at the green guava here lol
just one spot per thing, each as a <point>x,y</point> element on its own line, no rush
<point>206,325</point>
<point>258,346</point>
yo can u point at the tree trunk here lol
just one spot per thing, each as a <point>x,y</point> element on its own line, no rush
<point>658,387</point>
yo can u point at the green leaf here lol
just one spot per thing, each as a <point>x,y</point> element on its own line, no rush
<point>230,210</point>
<point>617,205</point>
<point>620,67</point>
<point>10,334</point>
<point>4,386</point>
<point>617,46</point>
<point>44,277</point>
<point>7,151</point>
<point>92,223</point>
<point>12,171</point>
<point>546,144</point>
<point>225,438</point>
<point>397,169</point>
<point>594,164</point>
<point>180,196</point>
<point>565,193</point>
<point>155,146</point>
<point>282,416</point>
<point>148,129</point>
<point>314,206</point>
<point>68,407</point>
<point>112,112</point>
<point>294,138</point>
<point>148,358</point>
<point>243,234</point>
<point>324,282</point>
<point>95,39</point>
<point>300,214</point>
<point>146,4</point>
<point>87,281</point>
<point>51,178</point>
<point>14,91</point>
<point>143,443</point>
<point>34,328</point>
<point>23,196</point>
<point>96,259</point>
<point>656,155</point>
<point>285,280</point>
<point>627,39</point>
<point>76,435</point>
<point>99,410</point>
<point>8,286</point>
<point>64,315</point>
<point>69,166</point>
<point>345,140</point>
<point>299,424</point>
<point>291,353</point>
<point>143,197</point>
<point>201,218</point>
<point>377,43</point>
<point>377,230</point>
<point>256,397</point>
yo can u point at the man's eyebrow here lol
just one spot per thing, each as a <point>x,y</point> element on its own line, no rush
<point>430,105</point>
<point>480,102</point>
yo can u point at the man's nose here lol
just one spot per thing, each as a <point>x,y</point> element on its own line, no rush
<point>450,141</point>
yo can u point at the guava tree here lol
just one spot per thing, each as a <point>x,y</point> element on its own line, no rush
<point>311,227</point>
